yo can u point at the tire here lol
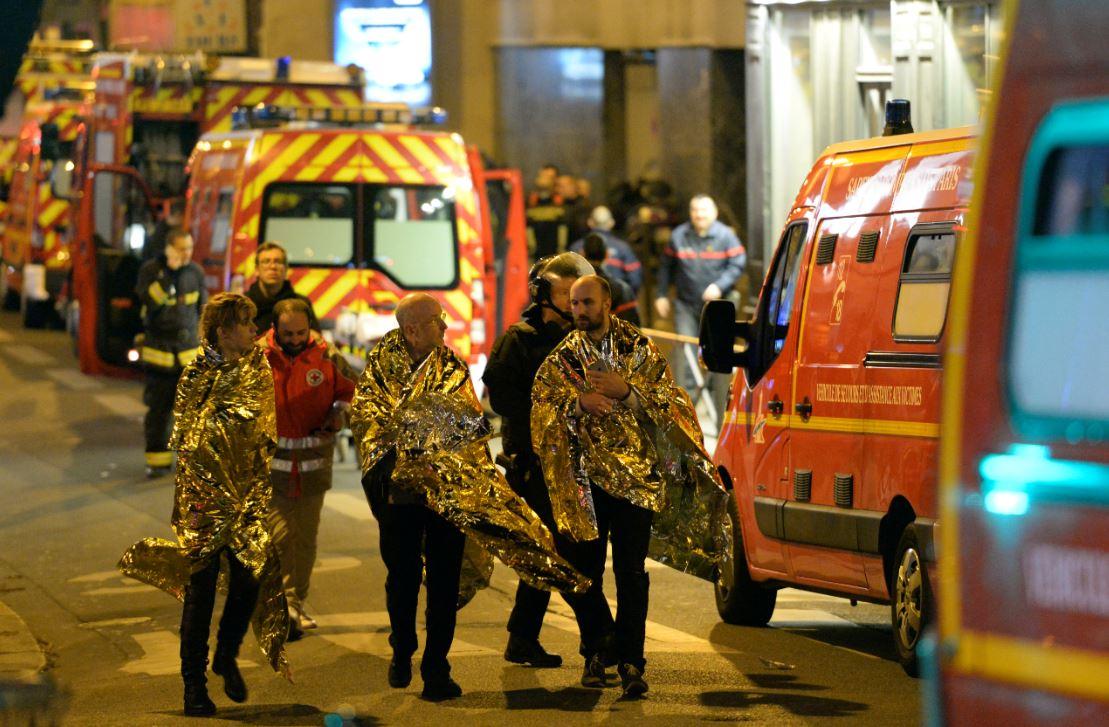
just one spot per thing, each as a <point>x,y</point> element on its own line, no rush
<point>740,600</point>
<point>911,604</point>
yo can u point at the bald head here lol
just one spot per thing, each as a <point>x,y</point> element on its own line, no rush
<point>591,303</point>
<point>420,318</point>
<point>601,219</point>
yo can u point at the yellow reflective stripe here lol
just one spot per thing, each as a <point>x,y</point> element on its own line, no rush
<point>159,459</point>
<point>869,426</point>
<point>157,293</point>
<point>187,357</point>
<point>192,297</point>
<point>1037,664</point>
<point>157,357</point>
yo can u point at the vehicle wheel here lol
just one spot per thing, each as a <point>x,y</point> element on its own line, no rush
<point>740,600</point>
<point>910,600</point>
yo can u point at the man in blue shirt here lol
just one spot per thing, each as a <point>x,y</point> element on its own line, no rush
<point>621,262</point>
<point>703,260</point>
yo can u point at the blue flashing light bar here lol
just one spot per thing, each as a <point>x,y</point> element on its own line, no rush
<point>1027,474</point>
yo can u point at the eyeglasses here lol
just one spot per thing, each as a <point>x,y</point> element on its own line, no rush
<point>278,263</point>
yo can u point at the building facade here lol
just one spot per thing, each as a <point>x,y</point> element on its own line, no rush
<point>821,72</point>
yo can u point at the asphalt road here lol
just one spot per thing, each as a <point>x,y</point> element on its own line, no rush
<point>74,497</point>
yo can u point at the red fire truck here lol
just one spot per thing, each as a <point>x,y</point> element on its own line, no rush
<point>130,159</point>
<point>368,207</point>
<point>830,441</point>
<point>51,89</point>
<point>1024,463</point>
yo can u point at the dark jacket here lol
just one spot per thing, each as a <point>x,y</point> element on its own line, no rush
<point>621,263</point>
<point>693,262</point>
<point>264,319</point>
<point>517,356</point>
<point>624,303</point>
<point>171,304</point>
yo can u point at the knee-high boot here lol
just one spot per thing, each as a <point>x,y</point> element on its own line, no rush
<point>196,617</point>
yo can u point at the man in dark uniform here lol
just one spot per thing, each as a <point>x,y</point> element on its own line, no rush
<point>624,303</point>
<point>171,290</point>
<point>516,357</point>
<point>272,286</point>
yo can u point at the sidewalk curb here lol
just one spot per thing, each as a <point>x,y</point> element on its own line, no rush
<point>21,656</point>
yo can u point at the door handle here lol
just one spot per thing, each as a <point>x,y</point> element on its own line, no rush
<point>775,407</point>
<point>804,408</point>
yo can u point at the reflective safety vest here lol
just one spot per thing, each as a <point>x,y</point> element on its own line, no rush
<point>308,387</point>
<point>171,304</point>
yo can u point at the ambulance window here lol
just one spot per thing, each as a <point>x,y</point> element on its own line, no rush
<point>776,309</point>
<point>925,283</point>
<point>313,222</point>
<point>221,225</point>
<point>414,235</point>
<point>1058,347</point>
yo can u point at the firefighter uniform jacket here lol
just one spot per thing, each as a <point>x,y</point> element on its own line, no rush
<point>693,262</point>
<point>307,387</point>
<point>621,262</point>
<point>171,304</point>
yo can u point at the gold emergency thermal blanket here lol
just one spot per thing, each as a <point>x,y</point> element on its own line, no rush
<point>431,419</point>
<point>225,435</point>
<point>651,454</point>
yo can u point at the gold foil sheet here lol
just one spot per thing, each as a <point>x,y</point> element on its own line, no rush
<point>430,417</point>
<point>652,455</point>
<point>225,435</point>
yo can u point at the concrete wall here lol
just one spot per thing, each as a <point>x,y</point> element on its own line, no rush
<point>296,28</point>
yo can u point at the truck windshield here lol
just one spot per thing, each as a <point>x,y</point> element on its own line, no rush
<point>407,232</point>
<point>313,222</point>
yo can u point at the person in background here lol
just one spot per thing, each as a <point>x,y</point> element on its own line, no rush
<point>575,210</point>
<point>272,286</point>
<point>703,260</point>
<point>545,214</point>
<point>312,396</point>
<point>171,291</point>
<point>155,244</point>
<point>624,303</point>
<point>620,262</point>
<point>224,437</point>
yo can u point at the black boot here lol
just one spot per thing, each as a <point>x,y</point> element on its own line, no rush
<point>197,702</point>
<point>225,666</point>
<point>195,617</point>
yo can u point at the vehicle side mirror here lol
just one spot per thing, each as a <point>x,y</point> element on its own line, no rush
<point>719,331</point>
<point>61,180</point>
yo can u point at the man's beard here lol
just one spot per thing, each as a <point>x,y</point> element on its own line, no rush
<point>582,323</point>
<point>294,350</point>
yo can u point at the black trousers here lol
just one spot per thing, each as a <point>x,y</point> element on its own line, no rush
<point>196,615</point>
<point>407,532</point>
<point>629,527</point>
<point>158,394</point>
<point>591,610</point>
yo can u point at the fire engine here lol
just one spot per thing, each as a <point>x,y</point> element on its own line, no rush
<point>368,207</point>
<point>53,83</point>
<point>1024,461</point>
<point>830,441</point>
<point>129,163</point>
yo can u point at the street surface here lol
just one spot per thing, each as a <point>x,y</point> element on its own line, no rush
<point>71,477</point>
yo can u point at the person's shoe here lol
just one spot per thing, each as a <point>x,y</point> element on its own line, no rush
<point>197,702</point>
<point>522,651</point>
<point>594,675</point>
<point>303,620</point>
<point>153,473</point>
<point>400,671</point>
<point>233,685</point>
<point>439,689</point>
<point>631,677</point>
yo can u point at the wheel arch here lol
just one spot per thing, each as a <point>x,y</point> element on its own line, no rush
<point>898,517</point>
